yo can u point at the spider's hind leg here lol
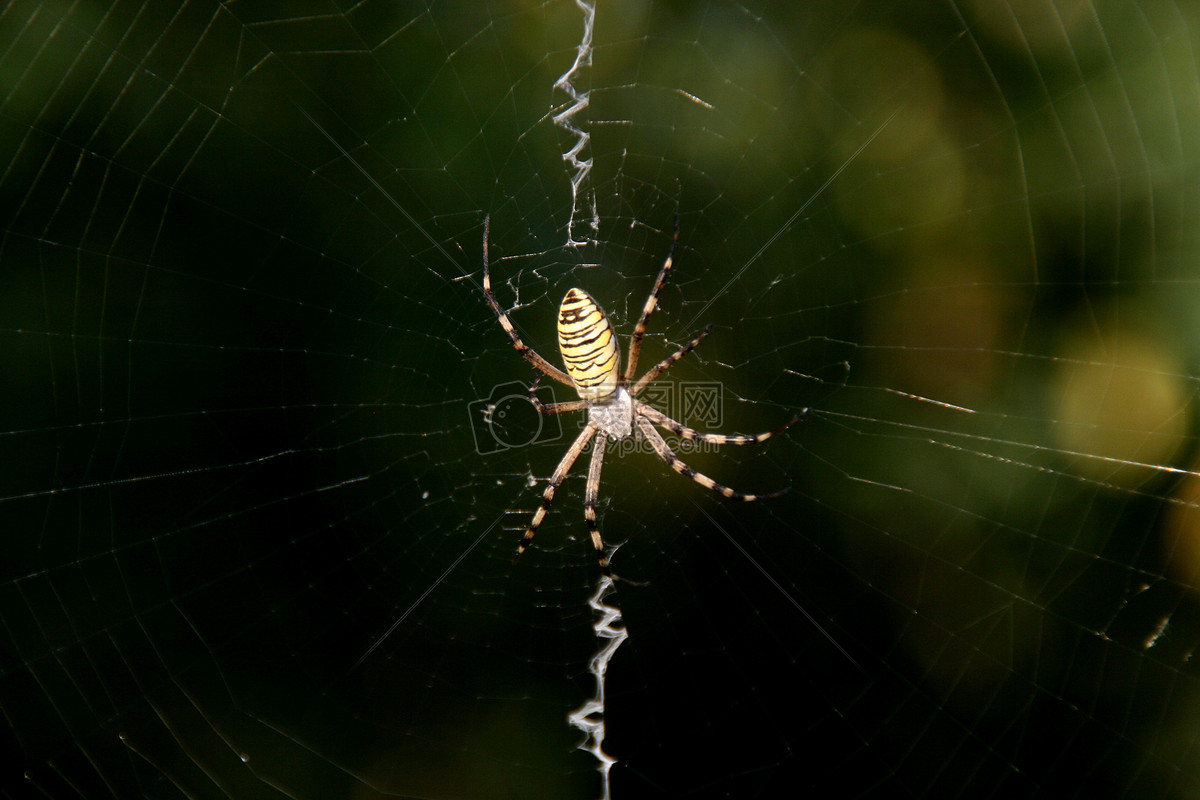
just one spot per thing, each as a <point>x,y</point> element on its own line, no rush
<point>527,352</point>
<point>639,330</point>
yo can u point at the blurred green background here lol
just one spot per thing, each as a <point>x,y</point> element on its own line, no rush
<point>249,360</point>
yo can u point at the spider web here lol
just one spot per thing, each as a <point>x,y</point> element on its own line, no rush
<point>266,460</point>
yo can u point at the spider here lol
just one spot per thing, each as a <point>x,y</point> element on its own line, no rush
<point>592,360</point>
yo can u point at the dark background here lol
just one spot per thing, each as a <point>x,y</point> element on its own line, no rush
<point>246,355</point>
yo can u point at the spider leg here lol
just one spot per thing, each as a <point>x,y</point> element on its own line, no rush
<point>639,330</point>
<point>589,502</point>
<point>668,456</point>
<point>553,408</point>
<point>661,367</point>
<point>527,352</point>
<point>560,472</point>
<point>663,421</point>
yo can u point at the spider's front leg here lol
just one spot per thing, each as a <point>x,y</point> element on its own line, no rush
<point>691,434</point>
<point>589,501</point>
<point>560,472</point>
<point>673,461</point>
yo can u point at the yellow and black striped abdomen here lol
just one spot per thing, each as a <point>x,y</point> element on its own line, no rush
<point>588,346</point>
